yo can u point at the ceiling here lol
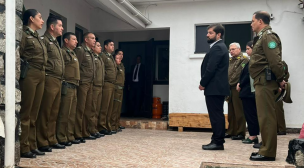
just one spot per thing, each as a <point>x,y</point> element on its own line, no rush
<point>141,2</point>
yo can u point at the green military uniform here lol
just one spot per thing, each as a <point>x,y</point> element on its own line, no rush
<point>67,112</point>
<point>46,123</point>
<point>118,95</point>
<point>236,117</point>
<point>267,53</point>
<point>34,52</point>
<point>281,126</point>
<point>107,92</point>
<point>97,92</point>
<point>84,91</point>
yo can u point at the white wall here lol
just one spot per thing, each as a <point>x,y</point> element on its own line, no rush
<point>185,72</point>
<point>76,11</point>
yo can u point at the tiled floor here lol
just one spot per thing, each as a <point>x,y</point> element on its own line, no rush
<point>156,149</point>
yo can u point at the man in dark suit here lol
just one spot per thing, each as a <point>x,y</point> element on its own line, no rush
<point>137,85</point>
<point>214,81</point>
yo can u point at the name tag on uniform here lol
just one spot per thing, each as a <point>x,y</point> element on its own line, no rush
<point>96,59</point>
<point>29,37</point>
<point>51,43</point>
<point>108,58</point>
<point>75,59</point>
<point>87,55</point>
<point>120,70</point>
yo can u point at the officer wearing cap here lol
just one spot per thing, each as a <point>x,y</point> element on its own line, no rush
<point>267,70</point>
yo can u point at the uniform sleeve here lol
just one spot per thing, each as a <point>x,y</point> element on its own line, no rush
<point>80,55</point>
<point>271,47</point>
<point>215,59</point>
<point>22,45</point>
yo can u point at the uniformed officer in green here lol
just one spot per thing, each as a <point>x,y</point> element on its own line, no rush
<point>236,117</point>
<point>118,95</point>
<point>67,111</point>
<point>104,121</point>
<point>46,123</point>
<point>267,70</point>
<point>84,91</point>
<point>33,52</point>
<point>97,90</point>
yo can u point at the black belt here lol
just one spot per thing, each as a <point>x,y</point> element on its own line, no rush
<point>70,85</point>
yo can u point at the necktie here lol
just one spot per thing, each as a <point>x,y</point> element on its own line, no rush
<point>135,73</point>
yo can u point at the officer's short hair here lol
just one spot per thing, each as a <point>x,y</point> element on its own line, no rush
<point>106,42</point>
<point>52,19</point>
<point>217,28</point>
<point>96,43</point>
<point>236,44</point>
<point>68,35</point>
<point>27,14</point>
<point>263,15</point>
<point>117,51</point>
<point>85,35</point>
<point>249,44</point>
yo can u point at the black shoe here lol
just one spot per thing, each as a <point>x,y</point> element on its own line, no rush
<point>81,140</point>
<point>249,141</point>
<point>58,146</point>
<point>28,155</point>
<point>113,132</point>
<point>238,137</point>
<point>96,135</point>
<point>75,141</point>
<point>259,157</point>
<point>65,143</point>
<point>90,138</point>
<point>119,130</point>
<point>37,152</point>
<point>227,136</point>
<point>213,146</point>
<point>105,132</point>
<point>121,127</point>
<point>254,153</point>
<point>45,149</point>
<point>257,145</point>
<point>101,135</point>
<point>281,133</point>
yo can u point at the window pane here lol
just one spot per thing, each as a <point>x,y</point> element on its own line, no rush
<point>201,40</point>
<point>240,33</point>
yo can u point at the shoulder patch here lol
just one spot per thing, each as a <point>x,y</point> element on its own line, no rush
<point>269,32</point>
<point>272,45</point>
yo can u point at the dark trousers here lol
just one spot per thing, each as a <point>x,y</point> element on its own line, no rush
<point>251,116</point>
<point>136,98</point>
<point>215,106</point>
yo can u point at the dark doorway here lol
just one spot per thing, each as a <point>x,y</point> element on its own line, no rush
<point>154,58</point>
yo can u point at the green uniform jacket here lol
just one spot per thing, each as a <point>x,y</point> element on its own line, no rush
<point>267,52</point>
<point>236,65</point>
<point>71,74</point>
<point>32,49</point>
<point>110,67</point>
<point>120,79</point>
<point>99,71</point>
<point>55,63</point>
<point>86,63</point>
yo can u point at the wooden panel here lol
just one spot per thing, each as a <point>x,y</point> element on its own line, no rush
<point>191,120</point>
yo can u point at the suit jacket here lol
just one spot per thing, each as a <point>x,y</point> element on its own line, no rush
<point>245,83</point>
<point>214,70</point>
<point>141,74</point>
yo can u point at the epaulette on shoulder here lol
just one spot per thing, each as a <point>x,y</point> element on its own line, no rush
<point>79,47</point>
<point>269,32</point>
